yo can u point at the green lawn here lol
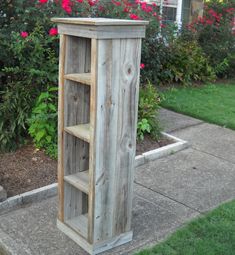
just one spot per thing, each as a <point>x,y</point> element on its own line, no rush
<point>213,234</point>
<point>214,103</point>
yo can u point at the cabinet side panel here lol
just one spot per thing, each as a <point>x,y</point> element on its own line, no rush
<point>61,128</point>
<point>76,111</point>
<point>115,135</point>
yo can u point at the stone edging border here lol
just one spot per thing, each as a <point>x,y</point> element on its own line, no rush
<point>51,190</point>
<point>164,151</point>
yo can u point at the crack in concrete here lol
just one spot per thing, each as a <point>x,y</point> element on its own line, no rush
<point>171,198</point>
<point>189,126</point>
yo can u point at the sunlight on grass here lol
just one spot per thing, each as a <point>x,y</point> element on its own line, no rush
<point>213,103</point>
<point>213,234</point>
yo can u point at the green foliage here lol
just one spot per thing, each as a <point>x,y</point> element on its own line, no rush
<point>214,34</point>
<point>149,101</point>
<point>188,63</point>
<point>43,122</point>
<point>211,234</point>
<point>34,65</point>
<point>204,102</point>
<point>143,127</point>
<point>14,110</point>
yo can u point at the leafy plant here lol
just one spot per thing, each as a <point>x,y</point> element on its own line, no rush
<point>34,64</point>
<point>149,101</point>
<point>43,122</point>
<point>143,127</point>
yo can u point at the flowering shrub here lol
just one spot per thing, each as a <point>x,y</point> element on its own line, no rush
<point>29,52</point>
<point>214,32</point>
<point>32,67</point>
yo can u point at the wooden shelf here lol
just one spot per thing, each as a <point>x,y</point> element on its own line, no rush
<point>79,224</point>
<point>81,131</point>
<point>79,180</point>
<point>84,78</point>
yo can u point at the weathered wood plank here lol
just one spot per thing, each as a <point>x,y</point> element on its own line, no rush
<point>76,111</point>
<point>84,78</point>
<point>92,174</point>
<point>102,32</point>
<point>79,180</point>
<point>115,134</point>
<point>61,128</point>
<point>100,21</point>
<point>81,131</point>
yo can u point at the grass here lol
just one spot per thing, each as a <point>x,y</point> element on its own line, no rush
<point>213,103</point>
<point>213,234</point>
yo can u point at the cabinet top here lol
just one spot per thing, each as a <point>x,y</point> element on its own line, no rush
<point>100,21</point>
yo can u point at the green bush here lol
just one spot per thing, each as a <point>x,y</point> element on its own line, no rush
<point>214,34</point>
<point>148,122</point>
<point>188,63</point>
<point>43,122</point>
<point>34,65</point>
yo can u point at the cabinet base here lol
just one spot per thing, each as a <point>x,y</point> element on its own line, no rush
<point>97,247</point>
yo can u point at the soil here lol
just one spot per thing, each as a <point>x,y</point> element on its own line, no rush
<point>29,168</point>
<point>26,169</point>
<point>149,144</point>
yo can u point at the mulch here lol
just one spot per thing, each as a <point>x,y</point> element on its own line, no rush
<point>29,168</point>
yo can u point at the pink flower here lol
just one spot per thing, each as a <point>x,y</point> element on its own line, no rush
<point>209,22</point>
<point>43,1</point>
<point>142,66</point>
<point>116,3</point>
<point>53,31</point>
<point>92,2</point>
<point>24,34</point>
<point>134,16</point>
<point>162,25</point>
<point>80,1</point>
<point>66,5</point>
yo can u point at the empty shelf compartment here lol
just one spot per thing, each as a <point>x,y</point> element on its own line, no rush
<point>79,180</point>
<point>79,224</point>
<point>81,131</point>
<point>84,78</point>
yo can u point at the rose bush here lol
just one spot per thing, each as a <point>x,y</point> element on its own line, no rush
<point>29,53</point>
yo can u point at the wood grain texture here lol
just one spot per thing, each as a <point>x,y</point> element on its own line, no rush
<point>115,134</point>
<point>84,78</point>
<point>93,114</point>
<point>61,128</point>
<point>76,111</point>
<point>102,32</point>
<point>79,180</point>
<point>81,131</point>
<point>100,21</point>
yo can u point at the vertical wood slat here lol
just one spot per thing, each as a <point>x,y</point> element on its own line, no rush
<point>76,111</point>
<point>92,174</point>
<point>61,128</point>
<point>115,134</point>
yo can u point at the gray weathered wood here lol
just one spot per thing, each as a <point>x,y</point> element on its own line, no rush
<point>76,111</point>
<point>115,135</point>
<point>99,129</point>
<point>102,32</point>
<point>100,21</point>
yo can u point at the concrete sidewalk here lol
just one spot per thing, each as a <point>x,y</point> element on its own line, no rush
<point>168,192</point>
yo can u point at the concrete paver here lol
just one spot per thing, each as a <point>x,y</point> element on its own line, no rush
<point>33,228</point>
<point>167,193</point>
<point>211,139</point>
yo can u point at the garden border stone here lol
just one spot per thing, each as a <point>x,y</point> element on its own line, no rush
<point>164,151</point>
<point>51,190</point>
<point>3,194</point>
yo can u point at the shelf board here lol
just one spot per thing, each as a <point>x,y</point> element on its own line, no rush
<point>81,131</point>
<point>79,180</point>
<point>79,224</point>
<point>84,78</point>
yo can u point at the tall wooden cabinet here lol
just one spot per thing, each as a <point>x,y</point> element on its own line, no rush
<point>98,102</point>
